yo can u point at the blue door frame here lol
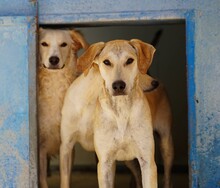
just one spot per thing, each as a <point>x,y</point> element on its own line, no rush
<point>18,158</point>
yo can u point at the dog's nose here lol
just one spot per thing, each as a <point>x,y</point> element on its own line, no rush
<point>119,85</point>
<point>155,84</point>
<point>54,60</point>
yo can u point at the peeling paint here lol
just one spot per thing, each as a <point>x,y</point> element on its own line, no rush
<point>14,104</point>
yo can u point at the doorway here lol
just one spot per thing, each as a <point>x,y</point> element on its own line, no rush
<point>169,66</point>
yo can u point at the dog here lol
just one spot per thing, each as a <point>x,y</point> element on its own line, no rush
<point>105,110</point>
<point>56,71</point>
<point>162,124</point>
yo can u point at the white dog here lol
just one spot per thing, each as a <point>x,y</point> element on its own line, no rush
<point>105,110</point>
<point>56,71</point>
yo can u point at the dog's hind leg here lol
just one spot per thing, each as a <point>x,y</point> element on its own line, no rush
<point>166,147</point>
<point>136,173</point>
<point>43,169</point>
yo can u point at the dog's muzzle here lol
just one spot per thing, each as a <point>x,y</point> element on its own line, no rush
<point>154,85</point>
<point>119,88</point>
<point>54,60</point>
<point>54,63</point>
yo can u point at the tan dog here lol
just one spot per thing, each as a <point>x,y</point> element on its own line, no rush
<point>162,123</point>
<point>56,71</point>
<point>105,110</point>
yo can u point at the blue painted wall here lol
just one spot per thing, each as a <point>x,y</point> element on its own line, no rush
<point>17,8</point>
<point>18,156</point>
<point>14,142</point>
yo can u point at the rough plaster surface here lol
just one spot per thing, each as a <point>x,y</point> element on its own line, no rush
<point>14,107</point>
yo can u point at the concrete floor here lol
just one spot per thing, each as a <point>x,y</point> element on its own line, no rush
<point>89,179</point>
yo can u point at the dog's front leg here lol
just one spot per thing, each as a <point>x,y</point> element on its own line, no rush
<point>106,173</point>
<point>149,172</point>
<point>65,162</point>
<point>166,147</point>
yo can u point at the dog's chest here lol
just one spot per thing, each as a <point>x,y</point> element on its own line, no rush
<point>51,91</point>
<point>117,112</point>
<point>121,116</point>
<point>54,84</point>
<point>123,122</point>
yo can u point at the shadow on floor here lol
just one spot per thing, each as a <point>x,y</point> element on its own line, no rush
<point>122,180</point>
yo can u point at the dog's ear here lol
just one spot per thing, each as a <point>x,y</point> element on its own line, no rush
<point>78,40</point>
<point>41,29</point>
<point>85,61</point>
<point>145,54</point>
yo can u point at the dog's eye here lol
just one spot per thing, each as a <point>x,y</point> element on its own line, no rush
<point>129,61</point>
<point>63,44</point>
<point>44,44</point>
<point>107,62</point>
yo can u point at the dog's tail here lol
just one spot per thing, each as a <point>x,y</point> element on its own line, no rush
<point>156,38</point>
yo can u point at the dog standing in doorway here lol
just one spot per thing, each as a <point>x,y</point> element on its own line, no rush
<point>106,110</point>
<point>56,71</point>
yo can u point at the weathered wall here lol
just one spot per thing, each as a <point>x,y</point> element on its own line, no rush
<point>18,154</point>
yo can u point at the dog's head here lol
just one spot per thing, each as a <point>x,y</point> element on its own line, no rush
<point>56,46</point>
<point>119,61</point>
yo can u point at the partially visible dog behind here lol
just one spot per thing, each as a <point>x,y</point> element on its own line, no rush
<point>162,125</point>
<point>56,71</point>
<point>106,110</point>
